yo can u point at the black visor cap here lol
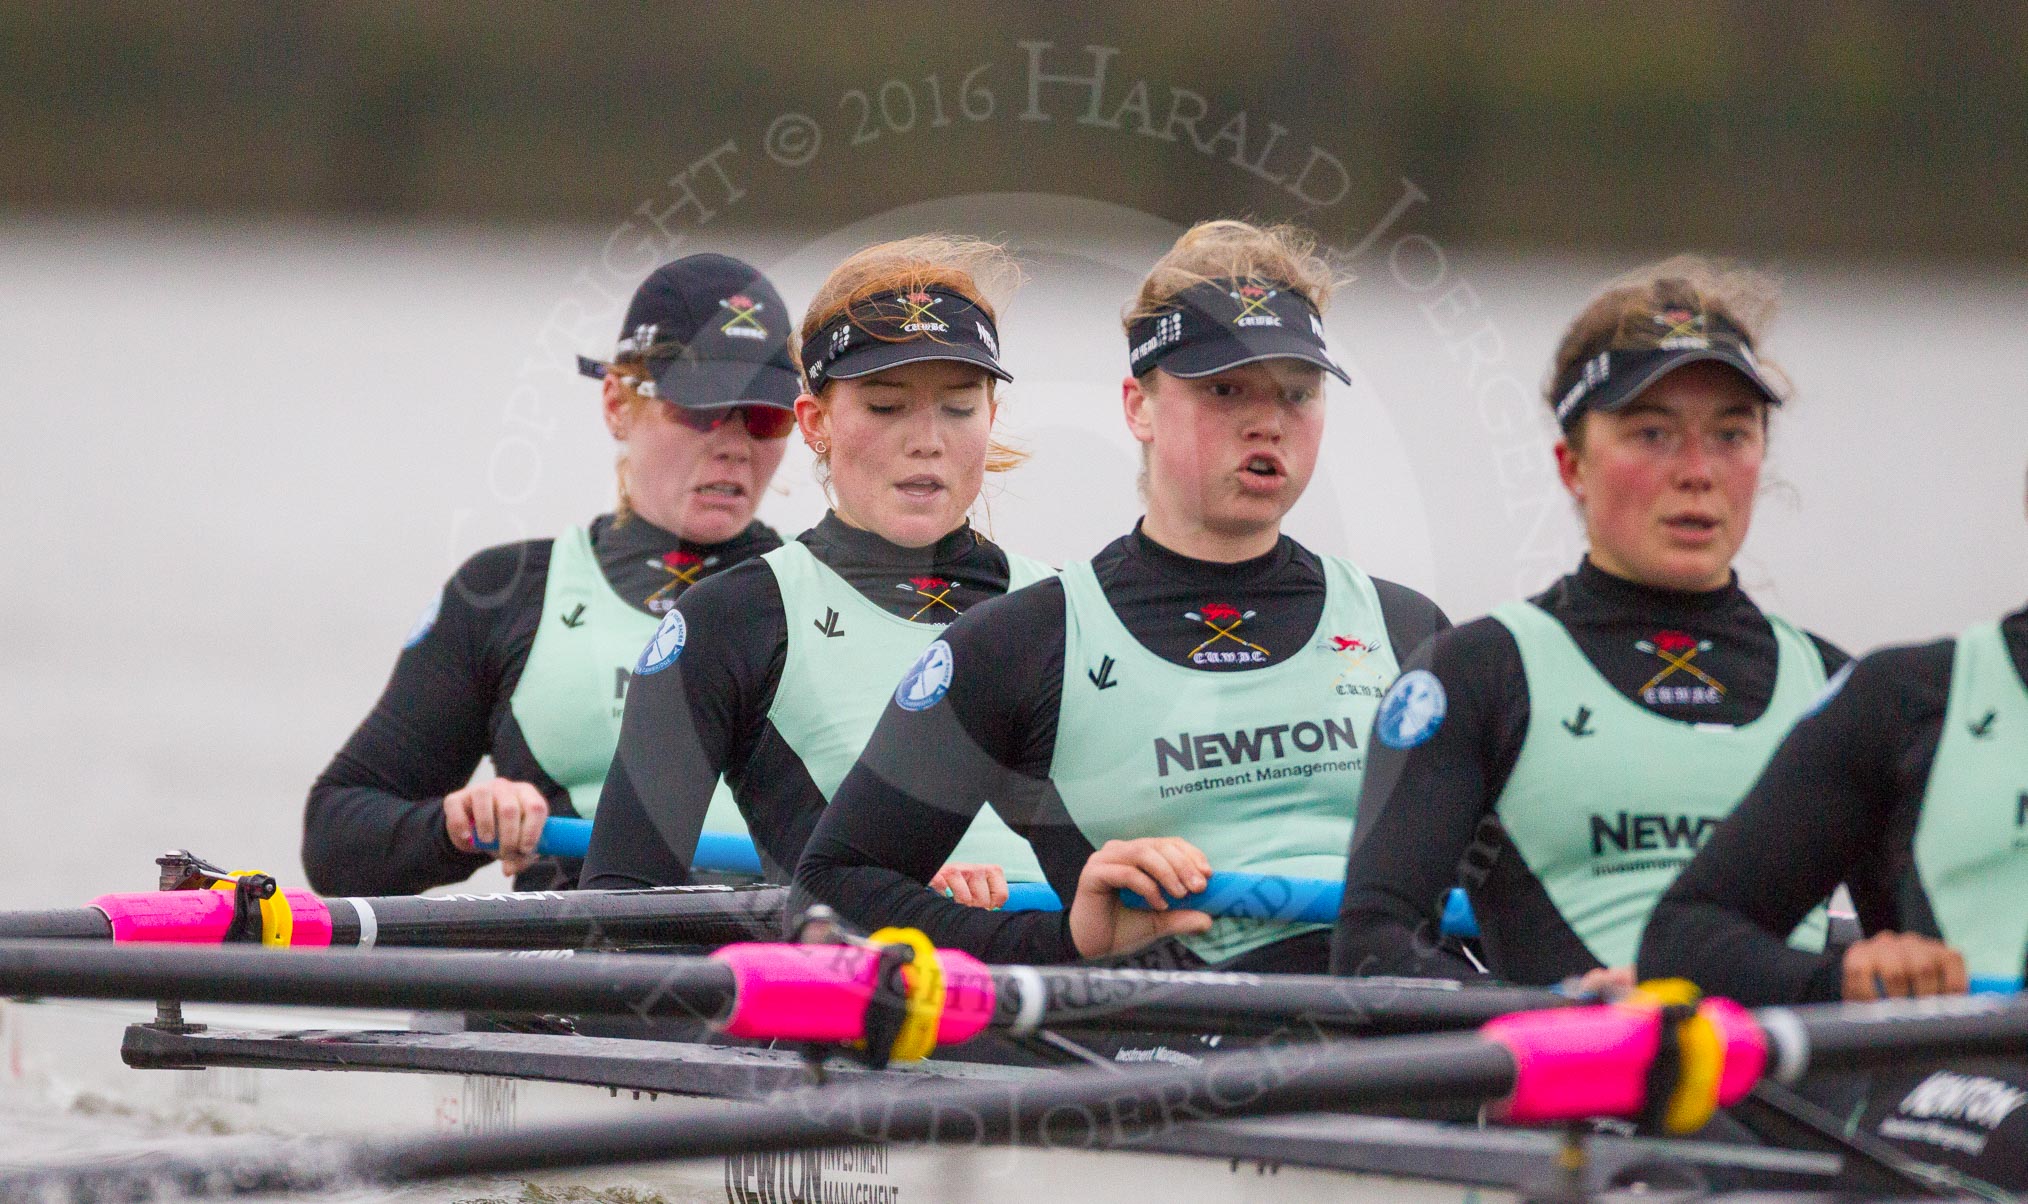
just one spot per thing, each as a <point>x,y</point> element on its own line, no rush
<point>893,329</point>
<point>1613,379</point>
<point>1219,325</point>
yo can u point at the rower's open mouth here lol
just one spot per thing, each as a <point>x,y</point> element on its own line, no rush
<point>1264,468</point>
<point>725,489</point>
<point>920,487</point>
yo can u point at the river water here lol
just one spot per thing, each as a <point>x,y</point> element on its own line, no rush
<point>237,460</point>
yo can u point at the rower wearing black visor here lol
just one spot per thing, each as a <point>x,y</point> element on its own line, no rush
<point>523,656</point>
<point>773,674</point>
<point>1193,698</point>
<point>1568,754</point>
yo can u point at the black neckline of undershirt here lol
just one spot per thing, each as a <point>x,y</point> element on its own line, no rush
<point>640,535</point>
<point>862,548</point>
<point>1651,601</point>
<point>1192,571</point>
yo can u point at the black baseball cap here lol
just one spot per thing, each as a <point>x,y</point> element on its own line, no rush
<point>1613,378</point>
<point>908,326</point>
<point>1219,324</point>
<point>712,332</point>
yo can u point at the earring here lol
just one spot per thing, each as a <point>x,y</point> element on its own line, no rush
<point>819,446</point>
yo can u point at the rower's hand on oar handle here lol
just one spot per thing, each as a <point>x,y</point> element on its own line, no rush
<point>1606,982</point>
<point>974,885</point>
<point>501,817</point>
<point>1156,868</point>
<point>1902,965</point>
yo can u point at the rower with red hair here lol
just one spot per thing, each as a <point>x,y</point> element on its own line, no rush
<point>1177,705</point>
<point>774,673</point>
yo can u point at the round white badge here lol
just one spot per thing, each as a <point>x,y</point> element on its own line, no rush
<point>667,645</point>
<point>1412,711</point>
<point>928,680</point>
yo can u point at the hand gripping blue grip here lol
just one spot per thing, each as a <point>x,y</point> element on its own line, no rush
<point>717,852</point>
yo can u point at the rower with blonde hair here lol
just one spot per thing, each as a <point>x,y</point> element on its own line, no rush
<point>1195,698</point>
<point>773,674</point>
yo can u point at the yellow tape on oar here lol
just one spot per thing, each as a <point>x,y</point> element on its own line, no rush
<point>924,978</point>
<point>1700,1052</point>
<point>278,919</point>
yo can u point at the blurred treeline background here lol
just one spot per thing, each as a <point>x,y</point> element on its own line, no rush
<point>1831,127</point>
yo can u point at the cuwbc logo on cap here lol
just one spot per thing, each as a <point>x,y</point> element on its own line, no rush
<point>1252,298</point>
<point>919,319</point>
<point>742,324</point>
<point>1687,330</point>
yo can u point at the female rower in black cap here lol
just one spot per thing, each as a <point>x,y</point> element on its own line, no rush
<point>773,674</point>
<point>1568,754</point>
<point>1909,784</point>
<point>1192,699</point>
<point>524,655</point>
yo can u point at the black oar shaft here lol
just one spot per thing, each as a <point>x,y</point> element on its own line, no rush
<point>1078,1109</point>
<point>1077,997</point>
<point>1060,997</point>
<point>1093,1108</point>
<point>713,915</point>
<point>65,924</point>
<point>1840,1037</point>
<point>610,985</point>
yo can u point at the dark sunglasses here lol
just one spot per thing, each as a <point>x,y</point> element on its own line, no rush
<point>762,422</point>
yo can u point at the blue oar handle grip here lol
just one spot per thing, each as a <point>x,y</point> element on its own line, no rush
<point>1031,896</point>
<point>717,852</point>
<point>1252,896</point>
<point>1260,897</point>
<point>561,836</point>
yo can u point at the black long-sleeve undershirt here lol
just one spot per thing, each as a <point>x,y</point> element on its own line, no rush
<point>709,712</point>
<point>1840,801</point>
<point>374,820</point>
<point>925,774</point>
<point>1426,814</point>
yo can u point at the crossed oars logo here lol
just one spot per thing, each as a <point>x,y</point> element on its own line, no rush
<point>1682,324</point>
<point>919,307</point>
<point>684,568</point>
<point>743,308</point>
<point>1677,650</point>
<point>936,589</point>
<point>1223,620</point>
<point>1252,299</point>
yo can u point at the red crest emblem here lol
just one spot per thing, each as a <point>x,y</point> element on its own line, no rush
<point>1674,642</point>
